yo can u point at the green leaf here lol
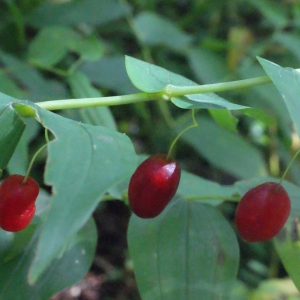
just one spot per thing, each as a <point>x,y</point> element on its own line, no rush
<point>225,119</point>
<point>12,128</point>
<point>82,88</point>
<point>76,257</point>
<point>151,30</point>
<point>287,241</point>
<point>89,48</point>
<point>19,161</point>
<point>109,72</point>
<point>188,252</point>
<point>51,45</point>
<point>37,87</point>
<point>78,11</point>
<point>8,86</point>
<point>193,187</point>
<point>84,161</point>
<point>266,98</point>
<point>150,78</point>
<point>207,66</point>
<point>224,149</point>
<point>207,100</point>
<point>259,115</point>
<point>286,81</point>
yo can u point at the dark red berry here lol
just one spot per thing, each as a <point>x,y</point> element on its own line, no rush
<point>17,202</point>
<point>14,222</point>
<point>153,185</point>
<point>262,212</point>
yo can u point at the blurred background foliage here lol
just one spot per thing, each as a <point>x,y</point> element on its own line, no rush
<point>63,49</point>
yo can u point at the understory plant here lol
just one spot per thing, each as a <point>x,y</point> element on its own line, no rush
<point>183,156</point>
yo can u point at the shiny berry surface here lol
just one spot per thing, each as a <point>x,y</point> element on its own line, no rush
<point>17,202</point>
<point>153,185</point>
<point>262,212</point>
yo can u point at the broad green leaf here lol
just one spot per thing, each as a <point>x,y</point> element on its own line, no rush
<point>18,163</point>
<point>82,88</point>
<point>224,149</point>
<point>78,11</point>
<point>89,48</point>
<point>196,188</point>
<point>77,257</point>
<point>287,81</point>
<point>151,29</point>
<point>207,66</point>
<point>8,86</point>
<point>225,119</point>
<point>84,161</point>
<point>6,242</point>
<point>259,115</point>
<point>51,45</point>
<point>188,252</point>
<point>266,98</point>
<point>37,88</point>
<point>287,241</point>
<point>150,78</point>
<point>109,72</point>
<point>288,248</point>
<point>208,100</point>
<point>12,128</point>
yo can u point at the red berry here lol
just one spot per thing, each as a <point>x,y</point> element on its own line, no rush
<point>13,222</point>
<point>262,212</point>
<point>153,185</point>
<point>17,202</point>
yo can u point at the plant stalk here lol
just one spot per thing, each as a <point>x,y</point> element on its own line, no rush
<point>169,92</point>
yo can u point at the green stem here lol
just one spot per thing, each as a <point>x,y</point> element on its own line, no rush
<point>36,154</point>
<point>101,101</point>
<point>175,91</point>
<point>288,167</point>
<point>170,91</point>
<point>195,124</point>
<point>32,161</point>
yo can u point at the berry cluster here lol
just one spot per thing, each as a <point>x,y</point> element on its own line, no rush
<point>17,202</point>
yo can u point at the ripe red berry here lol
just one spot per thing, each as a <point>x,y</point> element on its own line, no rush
<point>262,212</point>
<point>17,202</point>
<point>153,185</point>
